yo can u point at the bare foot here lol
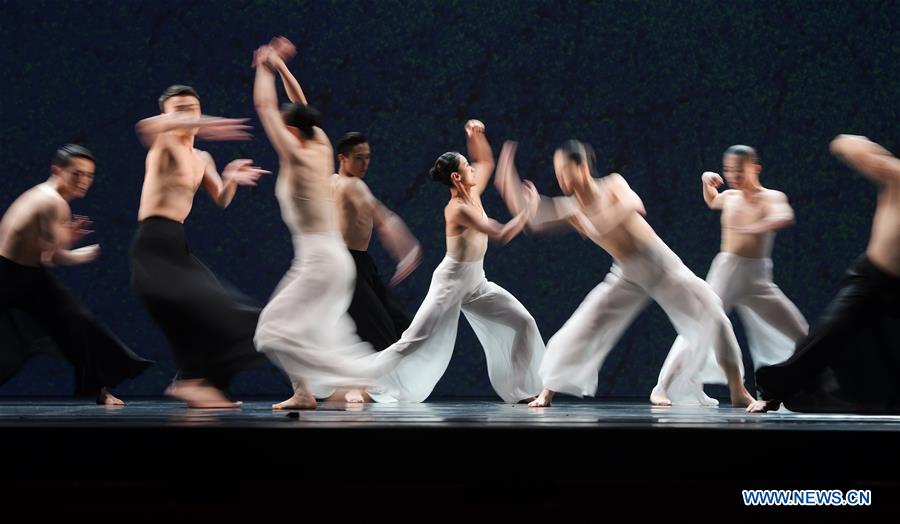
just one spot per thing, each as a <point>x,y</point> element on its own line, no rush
<point>528,400</point>
<point>741,397</point>
<point>659,397</point>
<point>762,406</point>
<point>105,398</point>
<point>199,394</point>
<point>357,396</point>
<point>543,399</point>
<point>298,401</point>
<point>703,399</point>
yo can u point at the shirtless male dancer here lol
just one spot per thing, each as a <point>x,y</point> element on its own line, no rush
<point>208,326</point>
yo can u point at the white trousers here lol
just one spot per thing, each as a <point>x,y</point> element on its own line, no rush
<point>512,344</point>
<point>576,353</point>
<point>772,322</point>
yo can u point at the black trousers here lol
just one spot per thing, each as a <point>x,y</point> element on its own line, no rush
<point>39,315</point>
<point>850,361</point>
<point>209,326</point>
<point>379,318</point>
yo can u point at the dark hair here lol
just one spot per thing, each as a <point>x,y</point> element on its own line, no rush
<point>745,152</point>
<point>347,142</point>
<point>63,155</point>
<point>302,116</point>
<point>444,166</point>
<point>579,152</point>
<point>176,90</point>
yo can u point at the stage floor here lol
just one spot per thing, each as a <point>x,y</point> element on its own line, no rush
<point>475,413</point>
<point>156,460</point>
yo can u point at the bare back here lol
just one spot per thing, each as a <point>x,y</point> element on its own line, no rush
<point>305,189</point>
<point>174,172</point>
<point>884,243</point>
<point>464,244</point>
<point>21,231</point>
<point>354,220</point>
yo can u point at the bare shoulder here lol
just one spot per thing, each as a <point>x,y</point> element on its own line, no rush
<point>203,154</point>
<point>355,187</point>
<point>321,137</point>
<point>44,200</point>
<point>772,195</point>
<point>616,180</point>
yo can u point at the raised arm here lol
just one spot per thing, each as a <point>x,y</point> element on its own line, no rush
<point>284,51</point>
<point>711,183</point>
<point>873,161</point>
<point>480,155</point>
<point>552,214</point>
<point>265,99</point>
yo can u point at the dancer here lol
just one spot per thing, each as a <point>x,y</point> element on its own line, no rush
<point>608,212</point>
<point>36,232</point>
<point>378,317</point>
<point>305,328</point>
<point>850,360</point>
<point>209,327</point>
<point>508,334</point>
<point>741,274</point>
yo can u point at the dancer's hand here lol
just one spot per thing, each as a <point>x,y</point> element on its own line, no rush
<point>284,48</point>
<point>79,227</point>
<point>86,254</point>
<point>712,179</point>
<point>243,172</point>
<point>263,56</point>
<point>473,127</point>
<point>406,266</point>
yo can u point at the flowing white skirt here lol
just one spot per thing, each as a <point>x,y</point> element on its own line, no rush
<point>305,328</point>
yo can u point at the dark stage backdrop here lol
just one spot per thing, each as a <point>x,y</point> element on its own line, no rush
<point>660,88</point>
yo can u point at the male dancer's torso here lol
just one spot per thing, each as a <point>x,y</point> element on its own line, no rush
<point>884,244</point>
<point>304,189</point>
<point>632,235</point>
<point>21,235</point>
<point>174,172</point>
<point>355,221</point>
<point>740,210</point>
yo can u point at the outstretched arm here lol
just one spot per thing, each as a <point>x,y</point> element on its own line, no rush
<point>210,127</point>
<point>480,154</point>
<point>873,161</point>
<point>469,217</point>
<point>221,188</point>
